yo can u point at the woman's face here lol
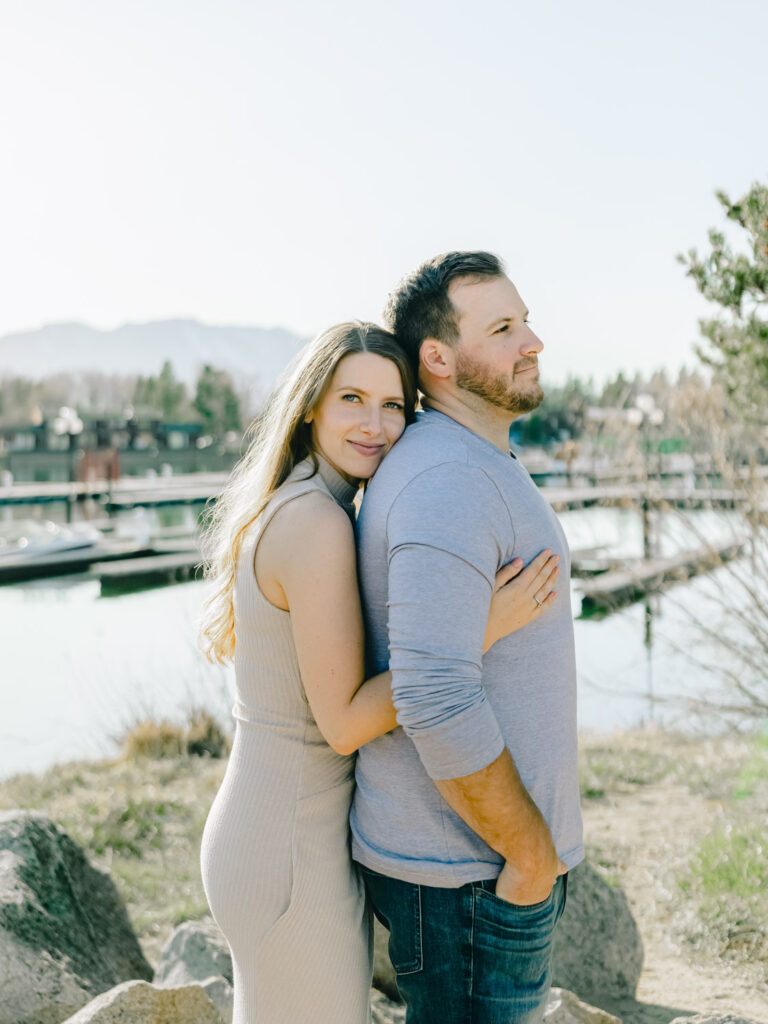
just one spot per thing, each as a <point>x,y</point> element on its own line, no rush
<point>360,416</point>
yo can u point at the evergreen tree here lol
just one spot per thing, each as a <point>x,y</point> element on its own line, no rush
<point>171,393</point>
<point>737,282</point>
<point>216,402</point>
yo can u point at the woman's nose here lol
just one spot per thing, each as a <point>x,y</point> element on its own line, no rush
<point>371,421</point>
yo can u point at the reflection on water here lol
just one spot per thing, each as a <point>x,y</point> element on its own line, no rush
<point>77,670</point>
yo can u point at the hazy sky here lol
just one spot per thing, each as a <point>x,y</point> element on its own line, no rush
<point>284,162</point>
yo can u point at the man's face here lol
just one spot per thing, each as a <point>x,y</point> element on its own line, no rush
<point>497,352</point>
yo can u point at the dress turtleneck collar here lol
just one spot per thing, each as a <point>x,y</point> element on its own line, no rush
<point>343,491</point>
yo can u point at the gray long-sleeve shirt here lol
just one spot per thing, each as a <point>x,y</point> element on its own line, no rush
<point>444,512</point>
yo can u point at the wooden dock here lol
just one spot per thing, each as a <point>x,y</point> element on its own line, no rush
<point>116,556</point>
<point>127,492</point>
<point>197,488</point>
<point>155,570</point>
<point>612,590</point>
<point>64,563</point>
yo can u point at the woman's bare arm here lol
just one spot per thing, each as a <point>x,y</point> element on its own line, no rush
<point>308,550</point>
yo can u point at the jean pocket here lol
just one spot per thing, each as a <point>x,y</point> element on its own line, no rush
<point>490,898</point>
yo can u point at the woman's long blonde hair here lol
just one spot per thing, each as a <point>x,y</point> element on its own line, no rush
<point>281,439</point>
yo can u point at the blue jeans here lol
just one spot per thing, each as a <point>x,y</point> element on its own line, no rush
<point>465,956</point>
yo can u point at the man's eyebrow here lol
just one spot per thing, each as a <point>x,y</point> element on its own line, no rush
<point>506,320</point>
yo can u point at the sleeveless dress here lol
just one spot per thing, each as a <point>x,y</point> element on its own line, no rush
<point>275,854</point>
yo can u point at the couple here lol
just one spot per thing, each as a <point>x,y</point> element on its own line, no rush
<point>463,802</point>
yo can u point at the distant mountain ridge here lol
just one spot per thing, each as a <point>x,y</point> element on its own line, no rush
<point>256,354</point>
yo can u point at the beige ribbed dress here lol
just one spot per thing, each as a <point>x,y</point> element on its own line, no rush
<point>275,855</point>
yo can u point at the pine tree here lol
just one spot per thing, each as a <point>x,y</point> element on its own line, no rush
<point>737,282</point>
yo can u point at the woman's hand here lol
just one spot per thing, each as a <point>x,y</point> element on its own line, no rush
<point>521,595</point>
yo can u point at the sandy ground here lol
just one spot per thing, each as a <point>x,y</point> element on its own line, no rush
<point>644,837</point>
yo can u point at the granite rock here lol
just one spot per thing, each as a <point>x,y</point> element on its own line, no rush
<point>64,931</point>
<point>137,1002</point>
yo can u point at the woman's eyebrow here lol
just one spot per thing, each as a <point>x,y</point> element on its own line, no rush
<point>362,391</point>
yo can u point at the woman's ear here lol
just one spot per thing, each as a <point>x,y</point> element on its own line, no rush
<point>309,417</point>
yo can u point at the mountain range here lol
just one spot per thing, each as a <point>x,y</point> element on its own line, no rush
<point>255,355</point>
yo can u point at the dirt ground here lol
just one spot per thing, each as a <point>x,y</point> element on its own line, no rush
<point>648,798</point>
<point>642,831</point>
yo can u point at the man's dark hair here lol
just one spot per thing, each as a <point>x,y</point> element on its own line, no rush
<point>419,306</point>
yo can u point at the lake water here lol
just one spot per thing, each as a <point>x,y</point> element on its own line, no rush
<point>78,669</point>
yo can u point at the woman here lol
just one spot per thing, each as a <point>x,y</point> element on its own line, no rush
<point>275,858</point>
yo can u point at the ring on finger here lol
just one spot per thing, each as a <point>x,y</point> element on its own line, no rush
<point>538,600</point>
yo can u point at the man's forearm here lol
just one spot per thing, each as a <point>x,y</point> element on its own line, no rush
<point>496,805</point>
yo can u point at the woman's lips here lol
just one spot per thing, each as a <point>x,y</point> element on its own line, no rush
<point>367,449</point>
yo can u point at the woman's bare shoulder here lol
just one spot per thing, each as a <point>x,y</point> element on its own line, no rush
<point>310,526</point>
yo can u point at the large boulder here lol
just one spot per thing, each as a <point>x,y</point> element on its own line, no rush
<point>136,1002</point>
<point>196,950</point>
<point>64,931</point>
<point>597,949</point>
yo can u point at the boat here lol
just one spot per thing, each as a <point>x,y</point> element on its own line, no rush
<point>25,540</point>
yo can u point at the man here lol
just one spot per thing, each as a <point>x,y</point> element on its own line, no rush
<point>466,819</point>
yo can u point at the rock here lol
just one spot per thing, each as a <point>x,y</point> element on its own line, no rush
<point>713,1018</point>
<point>195,951</point>
<point>222,995</point>
<point>384,1011</point>
<point>597,948</point>
<point>64,931</point>
<point>563,1007</point>
<point>136,1002</point>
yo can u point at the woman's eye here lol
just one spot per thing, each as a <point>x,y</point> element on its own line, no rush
<point>350,398</point>
<point>502,329</point>
<point>394,405</point>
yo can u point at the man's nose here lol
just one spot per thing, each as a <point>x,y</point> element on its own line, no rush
<point>532,344</point>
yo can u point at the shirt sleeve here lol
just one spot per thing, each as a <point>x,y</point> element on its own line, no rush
<point>444,552</point>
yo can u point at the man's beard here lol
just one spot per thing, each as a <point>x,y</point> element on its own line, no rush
<point>502,390</point>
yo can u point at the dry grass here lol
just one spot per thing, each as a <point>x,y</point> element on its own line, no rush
<point>202,736</point>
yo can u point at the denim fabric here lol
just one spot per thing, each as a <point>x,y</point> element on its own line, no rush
<point>465,956</point>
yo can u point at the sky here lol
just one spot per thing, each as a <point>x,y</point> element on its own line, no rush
<point>285,162</point>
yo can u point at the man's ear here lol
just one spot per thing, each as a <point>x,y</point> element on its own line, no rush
<point>437,358</point>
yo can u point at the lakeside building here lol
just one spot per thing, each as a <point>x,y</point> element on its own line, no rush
<point>82,448</point>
